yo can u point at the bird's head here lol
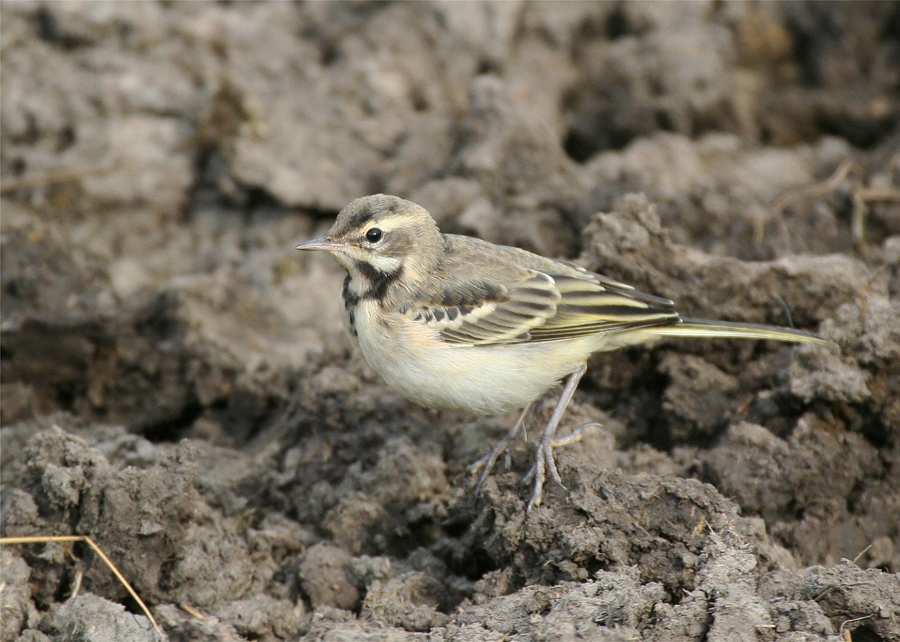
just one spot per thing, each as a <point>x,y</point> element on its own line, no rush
<point>382,236</point>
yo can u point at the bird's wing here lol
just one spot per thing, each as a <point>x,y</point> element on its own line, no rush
<point>487,311</point>
<point>591,303</point>
<point>536,305</point>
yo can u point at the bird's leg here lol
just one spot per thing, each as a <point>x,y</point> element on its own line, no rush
<point>488,461</point>
<point>543,459</point>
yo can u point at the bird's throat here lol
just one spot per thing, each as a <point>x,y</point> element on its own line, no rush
<point>370,282</point>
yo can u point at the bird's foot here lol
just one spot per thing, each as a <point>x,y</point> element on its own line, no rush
<point>544,461</point>
<point>544,457</point>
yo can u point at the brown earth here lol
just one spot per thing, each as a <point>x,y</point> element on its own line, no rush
<point>177,386</point>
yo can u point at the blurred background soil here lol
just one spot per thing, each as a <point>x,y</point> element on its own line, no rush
<point>176,383</point>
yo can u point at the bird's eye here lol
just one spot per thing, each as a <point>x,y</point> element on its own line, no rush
<point>374,235</point>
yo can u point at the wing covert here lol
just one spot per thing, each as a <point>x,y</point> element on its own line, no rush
<point>483,312</point>
<point>551,305</point>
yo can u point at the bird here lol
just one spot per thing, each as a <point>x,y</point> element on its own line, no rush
<point>454,322</point>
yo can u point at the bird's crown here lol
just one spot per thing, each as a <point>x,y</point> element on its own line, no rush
<point>383,212</point>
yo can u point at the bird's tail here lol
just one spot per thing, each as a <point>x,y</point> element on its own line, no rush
<point>729,330</point>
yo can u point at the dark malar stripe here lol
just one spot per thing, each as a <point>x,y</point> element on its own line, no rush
<point>379,281</point>
<point>351,300</point>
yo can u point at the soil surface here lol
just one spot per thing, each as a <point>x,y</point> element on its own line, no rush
<point>176,383</point>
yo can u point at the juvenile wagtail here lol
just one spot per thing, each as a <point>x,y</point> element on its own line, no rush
<point>457,323</point>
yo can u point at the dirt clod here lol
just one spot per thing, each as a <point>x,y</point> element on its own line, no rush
<point>177,385</point>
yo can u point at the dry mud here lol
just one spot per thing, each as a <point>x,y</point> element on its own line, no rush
<point>176,384</point>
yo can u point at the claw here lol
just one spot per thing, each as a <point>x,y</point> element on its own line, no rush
<point>537,471</point>
<point>551,466</point>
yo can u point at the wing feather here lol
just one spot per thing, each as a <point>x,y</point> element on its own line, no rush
<point>538,305</point>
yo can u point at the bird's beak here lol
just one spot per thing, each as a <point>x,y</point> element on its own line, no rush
<point>323,243</point>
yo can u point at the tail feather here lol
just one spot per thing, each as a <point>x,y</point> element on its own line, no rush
<point>730,330</point>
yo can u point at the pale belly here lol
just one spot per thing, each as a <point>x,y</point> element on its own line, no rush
<point>483,380</point>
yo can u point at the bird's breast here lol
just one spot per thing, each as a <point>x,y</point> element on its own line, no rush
<point>485,380</point>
